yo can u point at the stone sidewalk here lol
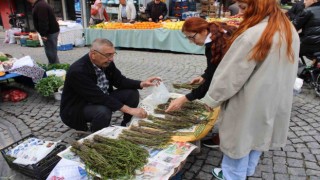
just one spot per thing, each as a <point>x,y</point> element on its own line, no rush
<point>300,159</point>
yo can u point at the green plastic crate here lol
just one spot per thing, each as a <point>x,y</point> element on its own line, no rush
<point>33,43</point>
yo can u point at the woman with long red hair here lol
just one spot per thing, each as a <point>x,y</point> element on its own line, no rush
<point>253,85</point>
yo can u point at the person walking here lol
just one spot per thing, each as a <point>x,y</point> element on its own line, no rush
<point>47,26</point>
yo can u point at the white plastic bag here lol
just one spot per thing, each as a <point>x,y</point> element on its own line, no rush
<point>160,94</point>
<point>297,85</point>
<point>79,42</point>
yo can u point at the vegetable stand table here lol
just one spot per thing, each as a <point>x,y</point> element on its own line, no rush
<point>160,39</point>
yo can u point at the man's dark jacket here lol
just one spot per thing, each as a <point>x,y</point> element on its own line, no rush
<point>295,10</point>
<point>80,89</point>
<point>154,10</point>
<point>309,22</point>
<point>44,19</point>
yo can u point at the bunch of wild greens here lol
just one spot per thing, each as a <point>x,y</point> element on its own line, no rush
<point>111,158</point>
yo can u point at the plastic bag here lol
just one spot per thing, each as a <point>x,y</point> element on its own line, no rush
<point>297,85</point>
<point>160,94</point>
<point>79,42</point>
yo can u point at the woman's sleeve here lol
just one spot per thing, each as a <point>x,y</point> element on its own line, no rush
<point>232,73</point>
<point>105,14</point>
<point>93,11</point>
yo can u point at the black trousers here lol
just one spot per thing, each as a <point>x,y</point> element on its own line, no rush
<point>100,115</point>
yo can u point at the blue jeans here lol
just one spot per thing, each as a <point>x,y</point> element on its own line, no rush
<point>239,169</point>
<point>50,48</point>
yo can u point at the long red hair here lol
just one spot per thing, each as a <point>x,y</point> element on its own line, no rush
<point>256,11</point>
<point>220,32</point>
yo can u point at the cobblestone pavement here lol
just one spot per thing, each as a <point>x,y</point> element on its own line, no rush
<point>300,159</point>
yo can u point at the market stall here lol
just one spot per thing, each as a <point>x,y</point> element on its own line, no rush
<point>161,39</point>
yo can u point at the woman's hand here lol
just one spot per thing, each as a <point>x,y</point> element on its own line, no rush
<point>177,104</point>
<point>197,80</point>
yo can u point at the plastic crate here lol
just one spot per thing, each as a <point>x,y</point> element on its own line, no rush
<point>40,170</point>
<point>23,42</point>
<point>65,47</point>
<point>33,43</point>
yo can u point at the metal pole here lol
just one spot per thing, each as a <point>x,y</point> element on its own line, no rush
<point>84,13</point>
<point>64,11</point>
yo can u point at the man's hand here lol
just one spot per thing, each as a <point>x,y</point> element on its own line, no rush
<point>44,38</point>
<point>197,80</point>
<point>150,19</point>
<point>160,17</point>
<point>152,81</point>
<point>137,112</point>
<point>177,104</point>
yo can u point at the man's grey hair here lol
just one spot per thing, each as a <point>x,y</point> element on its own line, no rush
<point>99,42</point>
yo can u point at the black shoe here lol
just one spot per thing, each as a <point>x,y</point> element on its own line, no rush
<point>210,144</point>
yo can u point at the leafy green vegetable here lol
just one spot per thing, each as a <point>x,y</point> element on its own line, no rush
<point>46,67</point>
<point>47,86</point>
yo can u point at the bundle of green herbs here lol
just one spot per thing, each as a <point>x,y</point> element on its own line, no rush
<point>149,137</point>
<point>111,158</point>
<point>185,86</point>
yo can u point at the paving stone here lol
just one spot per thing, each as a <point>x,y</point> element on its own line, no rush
<point>307,138</point>
<point>280,168</point>
<point>313,145</point>
<point>268,154</point>
<point>296,171</point>
<point>307,128</point>
<point>195,169</point>
<point>199,162</point>
<point>279,153</point>
<point>295,141</point>
<point>267,176</point>
<point>266,168</point>
<point>281,177</point>
<point>315,151</point>
<point>303,150</point>
<point>289,148</point>
<point>309,157</point>
<point>294,162</point>
<point>311,172</point>
<point>312,165</point>
<point>214,161</point>
<point>204,176</point>
<point>207,168</point>
<point>279,160</point>
<point>301,133</point>
<point>266,161</point>
<point>298,177</point>
<point>294,155</point>
<point>188,175</point>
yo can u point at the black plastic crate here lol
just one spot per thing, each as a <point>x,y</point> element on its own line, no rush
<point>40,170</point>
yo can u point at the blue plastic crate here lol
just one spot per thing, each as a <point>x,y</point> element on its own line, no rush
<point>65,47</point>
<point>23,42</point>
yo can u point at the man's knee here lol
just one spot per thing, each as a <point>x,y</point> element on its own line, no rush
<point>134,97</point>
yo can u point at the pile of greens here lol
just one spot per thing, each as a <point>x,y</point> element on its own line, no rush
<point>49,85</point>
<point>111,158</point>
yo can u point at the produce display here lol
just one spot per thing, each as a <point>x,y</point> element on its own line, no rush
<point>137,25</point>
<point>173,25</point>
<point>110,158</point>
<point>234,20</point>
